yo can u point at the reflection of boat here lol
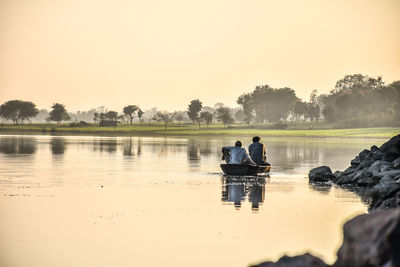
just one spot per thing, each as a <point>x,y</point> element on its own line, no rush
<point>243,169</point>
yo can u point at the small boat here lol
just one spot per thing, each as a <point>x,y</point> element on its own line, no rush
<point>243,169</point>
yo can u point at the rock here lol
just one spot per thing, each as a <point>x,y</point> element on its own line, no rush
<point>389,157</point>
<point>392,202</point>
<point>391,146</point>
<point>296,261</point>
<point>366,181</point>
<point>374,148</point>
<point>320,174</point>
<point>391,173</point>
<point>363,154</point>
<point>396,163</point>
<point>355,161</point>
<point>380,192</point>
<point>345,179</point>
<point>366,163</point>
<point>378,156</point>
<point>349,170</point>
<point>337,173</point>
<point>371,240</point>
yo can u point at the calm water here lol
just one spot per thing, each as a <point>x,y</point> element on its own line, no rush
<point>147,201</point>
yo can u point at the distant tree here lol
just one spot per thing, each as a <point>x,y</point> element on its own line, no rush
<point>329,114</point>
<point>194,109</point>
<point>312,108</point>
<point>238,114</point>
<point>178,116</point>
<point>96,117</point>
<point>224,115</point>
<point>357,81</point>
<point>130,112</point>
<point>247,103</point>
<point>207,117</point>
<point>299,109</point>
<point>18,110</point>
<point>59,113</point>
<point>164,116</point>
<point>111,115</point>
<point>140,115</point>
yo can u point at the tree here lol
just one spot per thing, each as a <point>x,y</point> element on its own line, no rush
<point>207,117</point>
<point>246,100</point>
<point>178,116</point>
<point>164,116</point>
<point>140,115</point>
<point>299,109</point>
<point>194,109</point>
<point>224,115</point>
<point>329,113</point>
<point>96,117</point>
<point>111,115</point>
<point>130,111</point>
<point>18,110</point>
<point>59,113</point>
<point>357,81</point>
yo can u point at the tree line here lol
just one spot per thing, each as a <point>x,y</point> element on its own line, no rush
<point>356,100</point>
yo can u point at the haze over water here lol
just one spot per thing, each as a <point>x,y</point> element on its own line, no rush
<point>155,201</point>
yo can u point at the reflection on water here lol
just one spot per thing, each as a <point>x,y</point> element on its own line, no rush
<point>18,145</point>
<point>58,145</point>
<point>236,189</point>
<point>125,199</point>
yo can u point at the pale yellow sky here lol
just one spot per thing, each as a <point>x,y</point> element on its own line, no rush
<point>90,53</point>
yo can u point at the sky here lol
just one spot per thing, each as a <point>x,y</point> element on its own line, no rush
<point>91,53</point>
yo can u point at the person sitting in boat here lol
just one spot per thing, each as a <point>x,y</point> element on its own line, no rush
<point>239,155</point>
<point>257,152</point>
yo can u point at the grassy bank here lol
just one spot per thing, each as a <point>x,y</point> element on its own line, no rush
<point>188,129</point>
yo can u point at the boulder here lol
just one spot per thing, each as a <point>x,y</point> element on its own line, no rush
<point>374,148</point>
<point>356,161</point>
<point>320,174</point>
<point>371,240</point>
<point>337,173</point>
<point>389,157</point>
<point>296,261</point>
<point>391,146</point>
<point>364,154</point>
<point>396,163</point>
<point>383,190</point>
<point>378,155</point>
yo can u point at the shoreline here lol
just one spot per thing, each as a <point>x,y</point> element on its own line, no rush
<point>155,131</point>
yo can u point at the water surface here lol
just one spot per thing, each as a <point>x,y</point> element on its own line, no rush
<point>155,201</point>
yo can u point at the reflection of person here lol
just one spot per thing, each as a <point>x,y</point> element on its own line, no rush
<point>239,155</point>
<point>256,195</point>
<point>257,152</point>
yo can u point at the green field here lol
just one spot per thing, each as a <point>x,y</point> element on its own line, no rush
<point>302,130</point>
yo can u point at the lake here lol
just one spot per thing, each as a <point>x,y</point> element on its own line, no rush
<point>163,201</point>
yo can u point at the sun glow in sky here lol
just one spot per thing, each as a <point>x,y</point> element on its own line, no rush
<point>163,54</point>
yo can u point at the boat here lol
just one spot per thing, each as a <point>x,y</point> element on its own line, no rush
<point>244,169</point>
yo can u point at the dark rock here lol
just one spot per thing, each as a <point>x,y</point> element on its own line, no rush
<point>378,156</point>
<point>296,261</point>
<point>363,154</point>
<point>374,148</point>
<point>392,202</point>
<point>349,170</point>
<point>371,240</point>
<point>320,174</point>
<point>391,173</point>
<point>389,157</point>
<point>366,181</point>
<point>355,161</point>
<point>366,163</point>
<point>396,163</point>
<point>391,146</point>
<point>337,173</point>
<point>386,187</point>
<point>345,179</point>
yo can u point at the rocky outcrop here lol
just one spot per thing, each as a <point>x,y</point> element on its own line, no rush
<point>369,240</point>
<point>376,170</point>
<point>296,261</point>
<point>321,174</point>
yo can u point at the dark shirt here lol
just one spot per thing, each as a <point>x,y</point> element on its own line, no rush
<point>257,153</point>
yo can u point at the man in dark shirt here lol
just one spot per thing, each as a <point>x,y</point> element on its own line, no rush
<point>257,152</point>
